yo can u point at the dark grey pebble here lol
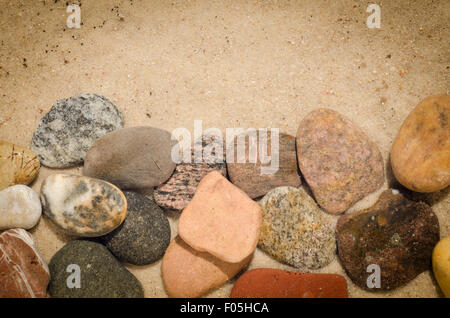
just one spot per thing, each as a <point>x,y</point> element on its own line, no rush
<point>100,274</point>
<point>144,235</point>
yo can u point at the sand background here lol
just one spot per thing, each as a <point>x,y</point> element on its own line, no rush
<point>231,64</point>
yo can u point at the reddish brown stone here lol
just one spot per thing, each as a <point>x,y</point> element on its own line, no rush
<point>247,176</point>
<point>337,159</point>
<point>23,274</point>
<point>275,283</point>
<point>190,273</point>
<point>396,234</point>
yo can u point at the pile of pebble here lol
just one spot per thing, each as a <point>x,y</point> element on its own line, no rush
<point>227,209</point>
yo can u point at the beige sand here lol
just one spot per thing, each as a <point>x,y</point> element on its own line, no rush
<point>230,64</point>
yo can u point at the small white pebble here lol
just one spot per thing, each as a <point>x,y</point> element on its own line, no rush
<point>395,192</point>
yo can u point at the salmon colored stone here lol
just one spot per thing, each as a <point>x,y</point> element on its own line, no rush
<point>23,273</point>
<point>188,273</point>
<point>275,283</point>
<point>221,220</point>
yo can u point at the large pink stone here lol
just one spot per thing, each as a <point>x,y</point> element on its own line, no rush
<point>23,274</point>
<point>338,160</point>
<point>221,220</point>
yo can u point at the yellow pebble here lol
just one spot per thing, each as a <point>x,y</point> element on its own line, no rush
<point>18,165</point>
<point>441,265</point>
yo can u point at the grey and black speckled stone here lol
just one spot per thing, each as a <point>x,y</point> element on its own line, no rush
<point>66,132</point>
<point>295,231</point>
<point>177,192</point>
<point>101,275</point>
<point>144,235</point>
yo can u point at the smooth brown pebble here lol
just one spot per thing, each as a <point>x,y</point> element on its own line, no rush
<point>251,178</point>
<point>131,158</point>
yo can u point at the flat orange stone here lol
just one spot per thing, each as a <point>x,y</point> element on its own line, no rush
<point>221,220</point>
<point>275,283</point>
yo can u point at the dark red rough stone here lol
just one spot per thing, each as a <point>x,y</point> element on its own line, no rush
<point>275,283</point>
<point>396,234</point>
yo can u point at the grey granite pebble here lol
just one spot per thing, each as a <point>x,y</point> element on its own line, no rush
<point>66,132</point>
<point>295,231</point>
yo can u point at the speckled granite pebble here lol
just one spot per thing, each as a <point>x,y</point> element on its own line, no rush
<point>18,165</point>
<point>339,162</point>
<point>82,206</point>
<point>101,275</point>
<point>144,235</point>
<point>66,132</point>
<point>177,192</point>
<point>295,231</point>
<point>396,234</point>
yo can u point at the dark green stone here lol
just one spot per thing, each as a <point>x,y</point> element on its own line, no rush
<point>101,275</point>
